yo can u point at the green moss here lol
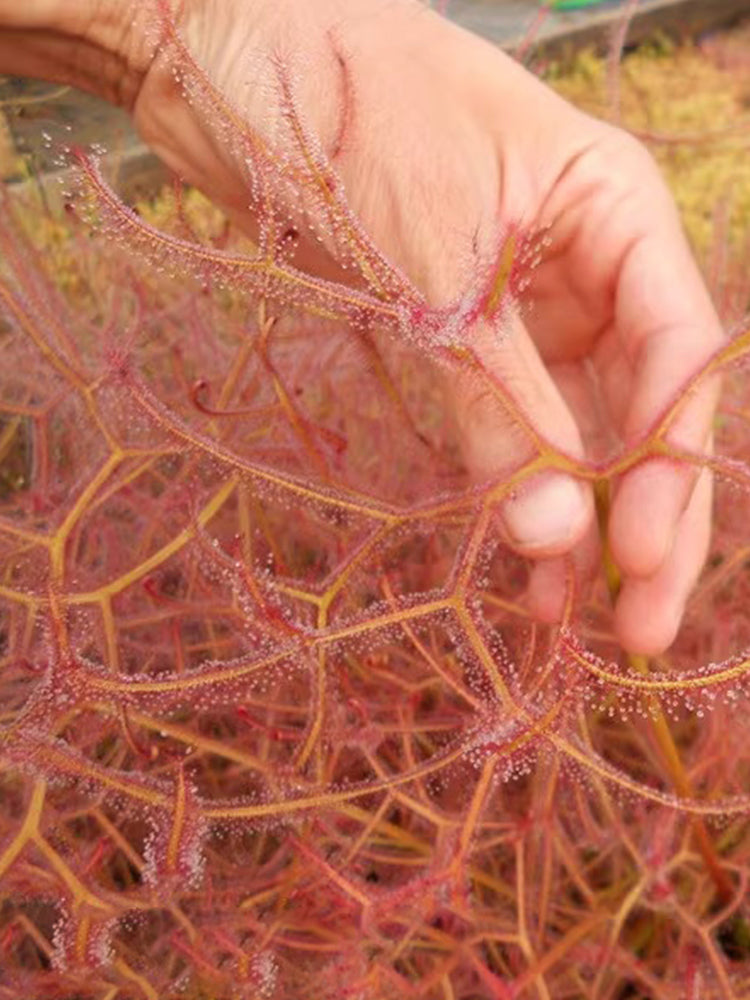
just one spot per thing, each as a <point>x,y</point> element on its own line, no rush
<point>690,106</point>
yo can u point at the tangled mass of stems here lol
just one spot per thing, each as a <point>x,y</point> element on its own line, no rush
<point>275,719</point>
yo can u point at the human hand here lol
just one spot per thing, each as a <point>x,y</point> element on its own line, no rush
<point>439,139</point>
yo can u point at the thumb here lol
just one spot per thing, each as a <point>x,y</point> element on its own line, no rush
<point>509,411</point>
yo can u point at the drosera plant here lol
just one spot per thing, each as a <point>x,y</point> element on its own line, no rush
<point>276,720</point>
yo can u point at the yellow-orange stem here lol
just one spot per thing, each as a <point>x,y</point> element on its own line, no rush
<point>659,726</point>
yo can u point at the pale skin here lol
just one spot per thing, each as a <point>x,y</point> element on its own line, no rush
<point>447,137</point>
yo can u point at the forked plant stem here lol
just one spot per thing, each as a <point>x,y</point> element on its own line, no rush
<point>659,725</point>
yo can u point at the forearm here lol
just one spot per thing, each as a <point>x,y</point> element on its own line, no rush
<point>91,44</point>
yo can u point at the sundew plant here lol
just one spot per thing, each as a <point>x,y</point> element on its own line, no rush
<point>276,719</point>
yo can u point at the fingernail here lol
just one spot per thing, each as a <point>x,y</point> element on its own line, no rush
<point>548,513</point>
